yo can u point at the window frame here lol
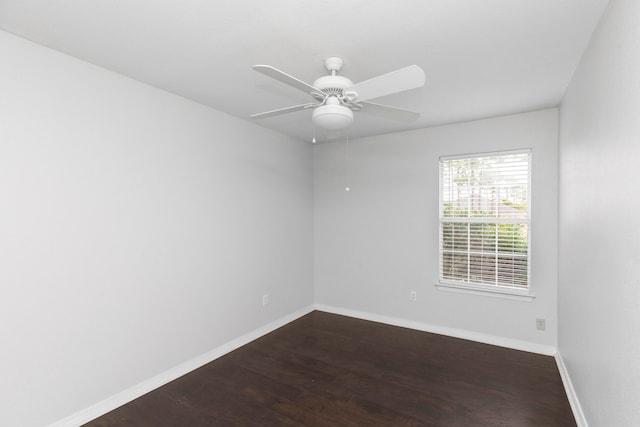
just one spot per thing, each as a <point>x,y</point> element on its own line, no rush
<point>525,294</point>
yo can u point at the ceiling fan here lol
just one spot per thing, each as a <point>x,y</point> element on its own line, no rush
<point>336,97</point>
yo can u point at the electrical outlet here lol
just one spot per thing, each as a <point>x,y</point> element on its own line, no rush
<point>541,324</point>
<point>265,299</point>
<point>413,296</point>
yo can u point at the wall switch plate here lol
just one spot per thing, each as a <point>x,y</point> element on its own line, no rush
<point>413,296</point>
<point>541,324</point>
<point>265,299</point>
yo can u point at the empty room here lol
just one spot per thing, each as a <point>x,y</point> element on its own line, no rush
<point>321,213</point>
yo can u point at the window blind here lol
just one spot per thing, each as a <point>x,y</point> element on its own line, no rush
<point>484,220</point>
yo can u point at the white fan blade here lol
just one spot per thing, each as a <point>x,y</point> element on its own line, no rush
<point>281,111</point>
<point>410,77</point>
<point>392,113</point>
<point>285,78</point>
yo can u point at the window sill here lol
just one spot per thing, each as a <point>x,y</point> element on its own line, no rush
<point>505,293</point>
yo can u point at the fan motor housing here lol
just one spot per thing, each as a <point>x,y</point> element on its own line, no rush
<point>332,84</point>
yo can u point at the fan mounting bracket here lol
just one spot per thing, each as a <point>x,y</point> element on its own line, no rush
<point>333,64</point>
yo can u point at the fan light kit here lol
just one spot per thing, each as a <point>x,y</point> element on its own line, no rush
<point>332,115</point>
<point>337,97</point>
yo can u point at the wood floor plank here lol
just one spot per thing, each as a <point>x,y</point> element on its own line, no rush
<point>329,370</point>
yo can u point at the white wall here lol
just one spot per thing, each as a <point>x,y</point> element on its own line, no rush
<point>380,240</point>
<point>138,230</point>
<point>599,285</point>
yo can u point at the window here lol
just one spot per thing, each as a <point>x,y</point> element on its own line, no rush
<point>484,222</point>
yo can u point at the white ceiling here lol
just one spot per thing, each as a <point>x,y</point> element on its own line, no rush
<point>482,58</point>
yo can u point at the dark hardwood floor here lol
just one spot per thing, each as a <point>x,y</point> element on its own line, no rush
<point>329,370</point>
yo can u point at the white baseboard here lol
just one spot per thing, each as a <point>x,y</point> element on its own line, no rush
<point>578,414</point>
<point>546,350</point>
<point>163,378</point>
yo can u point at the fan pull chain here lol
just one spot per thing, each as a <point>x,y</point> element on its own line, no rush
<point>348,163</point>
